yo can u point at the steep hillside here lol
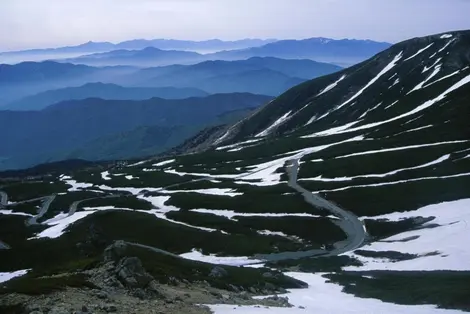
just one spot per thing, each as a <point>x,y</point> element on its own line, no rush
<point>385,92</point>
<point>103,91</point>
<point>355,183</point>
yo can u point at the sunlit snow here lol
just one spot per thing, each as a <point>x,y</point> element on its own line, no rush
<point>276,123</point>
<point>195,255</point>
<point>5,276</point>
<point>324,297</point>
<point>419,51</point>
<point>444,241</point>
<point>163,163</point>
<point>331,86</point>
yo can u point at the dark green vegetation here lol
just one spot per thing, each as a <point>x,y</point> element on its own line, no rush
<point>11,309</point>
<point>14,231</point>
<point>314,230</point>
<point>29,190</point>
<point>380,229</point>
<point>252,201</point>
<point>37,286</point>
<point>446,289</point>
<point>392,256</point>
<point>129,201</point>
<point>28,207</point>
<point>87,239</point>
<point>97,129</point>
<point>323,264</point>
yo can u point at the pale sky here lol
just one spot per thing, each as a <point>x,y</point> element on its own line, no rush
<point>52,23</point>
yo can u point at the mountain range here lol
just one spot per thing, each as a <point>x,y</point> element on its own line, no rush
<point>342,52</point>
<point>350,190</point>
<point>135,44</point>
<point>32,85</point>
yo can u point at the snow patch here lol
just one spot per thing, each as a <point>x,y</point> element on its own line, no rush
<point>446,45</point>
<point>212,191</point>
<point>276,123</point>
<point>331,86</point>
<point>196,255</point>
<point>395,102</point>
<point>230,214</point>
<point>419,51</point>
<point>238,144</point>
<point>420,85</point>
<point>162,163</point>
<point>5,276</point>
<point>105,175</point>
<point>10,212</point>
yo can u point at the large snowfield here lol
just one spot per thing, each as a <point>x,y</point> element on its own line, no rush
<point>324,297</point>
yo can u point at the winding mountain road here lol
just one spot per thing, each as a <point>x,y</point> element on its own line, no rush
<point>348,222</point>
<point>3,199</point>
<point>3,203</point>
<point>42,211</point>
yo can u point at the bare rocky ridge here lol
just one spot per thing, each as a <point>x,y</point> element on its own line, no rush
<point>120,284</point>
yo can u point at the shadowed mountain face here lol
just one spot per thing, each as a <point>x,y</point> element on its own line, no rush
<point>396,88</point>
<point>58,131</point>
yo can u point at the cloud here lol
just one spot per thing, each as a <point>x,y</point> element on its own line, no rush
<point>39,23</point>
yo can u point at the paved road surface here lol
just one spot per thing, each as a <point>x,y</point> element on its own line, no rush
<point>3,198</point>
<point>42,211</point>
<point>348,222</point>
